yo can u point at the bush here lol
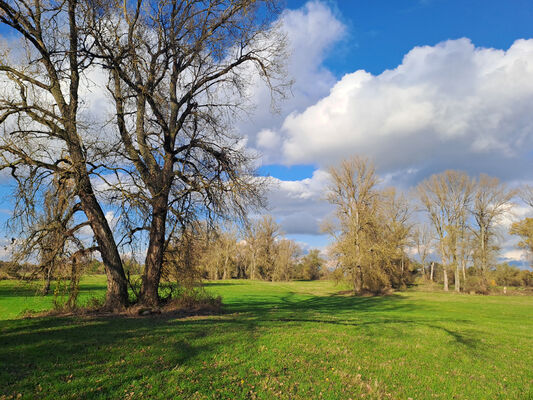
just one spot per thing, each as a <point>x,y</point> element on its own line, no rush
<point>195,301</point>
<point>477,285</point>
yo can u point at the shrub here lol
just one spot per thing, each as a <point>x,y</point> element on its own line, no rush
<point>476,284</point>
<point>195,301</point>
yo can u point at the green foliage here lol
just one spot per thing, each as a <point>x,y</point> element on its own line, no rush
<point>507,275</point>
<point>310,266</point>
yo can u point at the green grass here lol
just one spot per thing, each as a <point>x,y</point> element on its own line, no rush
<point>294,340</point>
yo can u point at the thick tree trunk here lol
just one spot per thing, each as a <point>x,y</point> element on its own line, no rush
<point>117,289</point>
<point>149,295</point>
<point>445,279</point>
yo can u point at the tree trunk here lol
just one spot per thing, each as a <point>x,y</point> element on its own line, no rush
<point>149,295</point>
<point>457,279</point>
<point>252,273</point>
<point>431,273</point>
<point>117,289</point>
<point>47,279</point>
<point>445,279</point>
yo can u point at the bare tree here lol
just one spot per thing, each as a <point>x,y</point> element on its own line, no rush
<point>526,194</point>
<point>353,192</point>
<point>287,252</point>
<point>49,235</point>
<point>423,242</point>
<point>40,115</point>
<point>524,229</point>
<point>446,198</point>
<point>492,200</point>
<point>180,72</point>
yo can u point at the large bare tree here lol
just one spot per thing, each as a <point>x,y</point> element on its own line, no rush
<point>42,134</point>
<point>180,75</point>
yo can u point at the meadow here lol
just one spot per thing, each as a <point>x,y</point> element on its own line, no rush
<point>291,340</point>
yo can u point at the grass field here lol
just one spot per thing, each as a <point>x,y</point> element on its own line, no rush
<point>296,340</point>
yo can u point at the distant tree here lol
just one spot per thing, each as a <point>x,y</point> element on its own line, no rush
<point>285,259</point>
<point>311,265</point>
<point>261,237</point>
<point>371,230</point>
<point>526,194</point>
<point>524,229</point>
<point>492,200</point>
<point>353,192</point>
<point>395,235</point>
<point>446,198</point>
<point>423,243</point>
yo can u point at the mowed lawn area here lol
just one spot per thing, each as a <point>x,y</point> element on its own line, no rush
<point>295,340</point>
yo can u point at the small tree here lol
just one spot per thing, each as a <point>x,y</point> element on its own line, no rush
<point>423,243</point>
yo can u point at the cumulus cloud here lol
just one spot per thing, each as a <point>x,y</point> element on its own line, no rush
<point>452,105</point>
<point>309,43</point>
<point>300,206</point>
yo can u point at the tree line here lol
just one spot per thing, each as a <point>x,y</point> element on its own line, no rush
<point>450,220</point>
<point>258,251</point>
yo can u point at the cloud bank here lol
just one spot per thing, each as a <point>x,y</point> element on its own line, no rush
<point>452,105</point>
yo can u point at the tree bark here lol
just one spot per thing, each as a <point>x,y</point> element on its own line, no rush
<point>117,289</point>
<point>431,273</point>
<point>445,279</point>
<point>457,278</point>
<point>47,279</point>
<point>149,295</point>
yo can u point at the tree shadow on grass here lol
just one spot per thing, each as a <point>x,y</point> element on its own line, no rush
<point>100,357</point>
<point>33,288</point>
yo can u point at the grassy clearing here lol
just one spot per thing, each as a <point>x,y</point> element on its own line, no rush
<point>294,340</point>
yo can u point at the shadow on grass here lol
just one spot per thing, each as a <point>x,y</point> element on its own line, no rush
<point>32,288</point>
<point>98,358</point>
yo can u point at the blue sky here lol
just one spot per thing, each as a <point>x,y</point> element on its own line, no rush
<point>380,33</point>
<point>419,86</point>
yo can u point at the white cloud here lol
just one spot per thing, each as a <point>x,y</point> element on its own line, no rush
<point>300,206</point>
<point>446,106</point>
<point>311,32</point>
<point>268,139</point>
